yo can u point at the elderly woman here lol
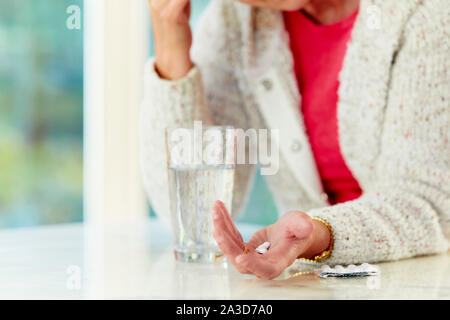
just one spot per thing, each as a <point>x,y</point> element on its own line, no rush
<point>360,91</point>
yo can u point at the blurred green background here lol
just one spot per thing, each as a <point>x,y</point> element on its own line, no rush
<point>41,117</point>
<point>41,113</point>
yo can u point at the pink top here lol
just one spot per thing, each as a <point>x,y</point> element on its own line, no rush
<point>318,52</point>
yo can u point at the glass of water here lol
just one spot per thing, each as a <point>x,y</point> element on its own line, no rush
<point>201,165</point>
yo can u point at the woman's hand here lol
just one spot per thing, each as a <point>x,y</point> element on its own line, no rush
<point>172,37</point>
<point>294,235</point>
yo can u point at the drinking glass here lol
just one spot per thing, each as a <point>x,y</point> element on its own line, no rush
<point>201,166</point>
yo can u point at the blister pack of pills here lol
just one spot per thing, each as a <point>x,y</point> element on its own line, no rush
<point>339,271</point>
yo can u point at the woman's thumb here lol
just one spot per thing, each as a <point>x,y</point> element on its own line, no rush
<point>298,225</point>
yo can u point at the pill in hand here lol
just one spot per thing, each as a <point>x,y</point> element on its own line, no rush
<point>263,247</point>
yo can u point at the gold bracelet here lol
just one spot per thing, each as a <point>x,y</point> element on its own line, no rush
<point>326,253</point>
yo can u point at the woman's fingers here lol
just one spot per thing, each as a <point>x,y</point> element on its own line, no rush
<point>271,264</point>
<point>229,248</point>
<point>219,206</point>
<point>221,231</point>
<point>257,239</point>
<point>288,241</point>
<point>288,238</point>
<point>227,244</point>
<point>259,266</point>
<point>229,239</point>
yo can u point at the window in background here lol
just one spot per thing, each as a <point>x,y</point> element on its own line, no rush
<point>41,113</point>
<point>260,208</point>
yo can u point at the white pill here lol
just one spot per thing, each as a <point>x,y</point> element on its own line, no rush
<point>261,250</point>
<point>263,247</point>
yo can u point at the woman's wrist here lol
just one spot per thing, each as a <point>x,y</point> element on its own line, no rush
<point>172,37</point>
<point>319,241</point>
<point>173,68</point>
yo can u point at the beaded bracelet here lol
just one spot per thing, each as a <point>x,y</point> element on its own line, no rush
<point>326,253</point>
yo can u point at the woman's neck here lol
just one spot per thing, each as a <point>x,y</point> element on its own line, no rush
<point>330,11</point>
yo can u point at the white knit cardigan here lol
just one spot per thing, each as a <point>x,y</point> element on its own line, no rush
<point>393,119</point>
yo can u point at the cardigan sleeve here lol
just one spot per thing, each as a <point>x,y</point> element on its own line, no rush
<point>405,211</point>
<point>209,93</point>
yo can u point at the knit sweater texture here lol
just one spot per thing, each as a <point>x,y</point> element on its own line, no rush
<point>393,121</point>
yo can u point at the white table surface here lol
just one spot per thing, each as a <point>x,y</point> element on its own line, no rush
<point>76,262</point>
